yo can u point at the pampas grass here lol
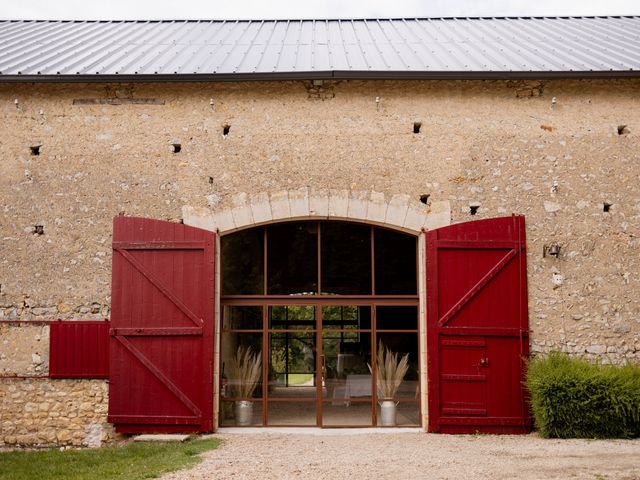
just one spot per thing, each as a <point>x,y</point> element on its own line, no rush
<point>245,370</point>
<point>389,371</point>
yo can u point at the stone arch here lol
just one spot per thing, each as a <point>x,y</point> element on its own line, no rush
<point>397,211</point>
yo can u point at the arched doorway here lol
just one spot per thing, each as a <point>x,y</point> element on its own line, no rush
<point>313,300</point>
<point>312,304</point>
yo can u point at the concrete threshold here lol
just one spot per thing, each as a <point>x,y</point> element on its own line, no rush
<point>161,437</point>
<point>315,430</point>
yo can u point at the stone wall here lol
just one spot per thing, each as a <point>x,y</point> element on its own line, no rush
<point>41,411</point>
<point>24,349</point>
<point>566,154</point>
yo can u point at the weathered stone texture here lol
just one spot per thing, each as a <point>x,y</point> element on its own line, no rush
<point>502,147</point>
<point>41,411</point>
<point>24,349</point>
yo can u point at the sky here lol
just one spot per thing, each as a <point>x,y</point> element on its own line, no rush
<point>269,9</point>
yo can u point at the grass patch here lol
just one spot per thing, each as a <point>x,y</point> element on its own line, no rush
<point>573,398</point>
<point>132,461</point>
<point>300,378</point>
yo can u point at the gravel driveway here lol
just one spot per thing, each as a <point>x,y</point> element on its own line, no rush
<point>346,455</point>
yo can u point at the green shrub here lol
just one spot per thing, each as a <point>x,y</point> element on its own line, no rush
<point>572,398</point>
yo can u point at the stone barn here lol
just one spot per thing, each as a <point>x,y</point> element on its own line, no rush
<point>321,223</point>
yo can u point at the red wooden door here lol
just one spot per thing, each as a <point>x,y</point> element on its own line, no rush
<point>477,327</point>
<point>162,314</point>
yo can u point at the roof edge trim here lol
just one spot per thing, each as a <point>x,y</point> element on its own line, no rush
<point>312,19</point>
<point>326,75</point>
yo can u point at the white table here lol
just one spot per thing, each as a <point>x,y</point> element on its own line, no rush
<point>358,386</point>
<point>345,361</point>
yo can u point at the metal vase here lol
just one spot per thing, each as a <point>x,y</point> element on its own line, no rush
<point>244,413</point>
<point>388,413</point>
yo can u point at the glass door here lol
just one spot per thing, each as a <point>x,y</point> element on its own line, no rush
<point>345,368</point>
<point>292,366</point>
<point>317,365</point>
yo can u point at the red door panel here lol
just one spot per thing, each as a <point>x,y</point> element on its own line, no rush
<point>162,316</point>
<point>477,327</point>
<point>463,382</point>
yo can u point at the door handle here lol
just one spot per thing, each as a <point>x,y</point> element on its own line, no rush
<point>482,362</point>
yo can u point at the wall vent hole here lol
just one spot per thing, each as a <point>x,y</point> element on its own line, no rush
<point>35,149</point>
<point>416,127</point>
<point>473,209</point>
<point>225,130</point>
<point>176,147</point>
<point>38,229</point>
<point>606,207</point>
<point>424,198</point>
<point>622,130</point>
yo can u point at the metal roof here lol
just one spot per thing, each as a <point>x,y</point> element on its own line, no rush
<point>523,47</point>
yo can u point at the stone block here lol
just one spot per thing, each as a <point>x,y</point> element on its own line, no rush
<point>437,220</point>
<point>338,203</point>
<point>299,203</point>
<point>358,205</point>
<point>195,217</point>
<point>415,219</point>
<point>377,211</point>
<point>94,435</point>
<point>280,205</point>
<point>397,210</point>
<point>241,211</point>
<point>597,349</point>
<point>223,220</point>
<point>261,208</point>
<point>319,203</point>
<point>551,207</point>
<point>439,216</point>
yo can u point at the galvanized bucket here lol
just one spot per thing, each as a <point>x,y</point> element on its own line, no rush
<point>388,413</point>
<point>244,413</point>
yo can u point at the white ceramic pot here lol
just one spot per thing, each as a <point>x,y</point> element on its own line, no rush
<point>244,413</point>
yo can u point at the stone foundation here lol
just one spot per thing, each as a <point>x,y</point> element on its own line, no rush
<point>41,411</point>
<point>615,354</point>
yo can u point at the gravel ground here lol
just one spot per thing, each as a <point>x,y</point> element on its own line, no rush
<point>413,455</point>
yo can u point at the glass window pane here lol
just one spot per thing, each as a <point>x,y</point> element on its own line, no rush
<point>292,317</point>
<point>292,258</point>
<point>397,318</point>
<point>407,414</point>
<point>401,344</point>
<point>241,318</point>
<point>395,259</point>
<point>242,258</point>
<point>345,353</point>
<point>292,364</point>
<point>241,413</point>
<point>346,258</point>
<point>292,413</point>
<point>241,357</point>
<point>343,413</point>
<point>346,317</point>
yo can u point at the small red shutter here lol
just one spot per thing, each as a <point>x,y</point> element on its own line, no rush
<point>477,327</point>
<point>79,349</point>
<point>162,315</point>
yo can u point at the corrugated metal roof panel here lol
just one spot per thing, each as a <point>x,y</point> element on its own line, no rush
<point>279,49</point>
